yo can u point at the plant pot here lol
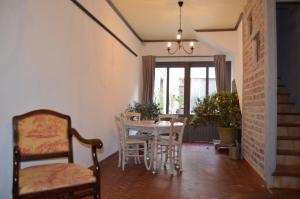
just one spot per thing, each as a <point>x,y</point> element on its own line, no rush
<point>227,135</point>
<point>235,153</point>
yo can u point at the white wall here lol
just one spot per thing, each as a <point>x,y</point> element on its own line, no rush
<point>229,43</point>
<point>238,69</point>
<point>53,56</point>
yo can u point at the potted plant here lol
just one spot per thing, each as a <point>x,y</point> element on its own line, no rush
<point>149,111</point>
<point>221,110</point>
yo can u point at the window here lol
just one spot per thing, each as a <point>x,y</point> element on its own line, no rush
<point>198,85</point>
<point>212,84</point>
<point>160,89</point>
<point>178,85</point>
<point>176,91</point>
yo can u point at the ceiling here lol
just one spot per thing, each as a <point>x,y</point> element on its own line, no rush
<point>159,19</point>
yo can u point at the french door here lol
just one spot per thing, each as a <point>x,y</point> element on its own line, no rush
<point>178,85</point>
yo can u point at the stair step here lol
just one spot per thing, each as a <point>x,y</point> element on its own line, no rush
<point>288,114</point>
<point>288,124</point>
<point>279,82</point>
<point>288,152</point>
<point>292,103</point>
<point>288,137</point>
<point>283,94</point>
<point>287,170</point>
<point>288,131</point>
<point>288,157</point>
<point>282,98</point>
<point>288,118</point>
<point>282,89</point>
<point>286,182</point>
<point>286,108</point>
<point>288,143</point>
<point>280,92</point>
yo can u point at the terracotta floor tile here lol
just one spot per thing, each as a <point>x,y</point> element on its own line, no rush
<point>207,175</point>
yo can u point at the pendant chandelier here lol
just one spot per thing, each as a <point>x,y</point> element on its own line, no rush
<point>179,38</point>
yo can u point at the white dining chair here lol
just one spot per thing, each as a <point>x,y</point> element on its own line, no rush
<point>129,115</point>
<point>130,147</point>
<point>134,116</point>
<point>171,146</point>
<point>167,117</point>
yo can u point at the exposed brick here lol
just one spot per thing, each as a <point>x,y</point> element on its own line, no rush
<point>254,101</point>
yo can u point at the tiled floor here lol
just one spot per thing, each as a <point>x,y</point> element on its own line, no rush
<point>207,175</point>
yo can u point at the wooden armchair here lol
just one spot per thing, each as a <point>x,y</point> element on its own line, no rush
<point>45,134</point>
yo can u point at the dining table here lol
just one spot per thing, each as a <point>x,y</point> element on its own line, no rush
<point>154,128</point>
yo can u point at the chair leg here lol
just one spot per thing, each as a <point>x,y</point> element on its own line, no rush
<point>180,158</point>
<point>135,160</point>
<point>97,195</point>
<point>166,156</point>
<point>15,196</point>
<point>161,155</point>
<point>123,159</point>
<point>170,151</point>
<point>145,157</point>
<point>120,158</point>
<point>138,154</point>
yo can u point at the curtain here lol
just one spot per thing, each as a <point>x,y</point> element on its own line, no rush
<point>220,65</point>
<point>148,78</point>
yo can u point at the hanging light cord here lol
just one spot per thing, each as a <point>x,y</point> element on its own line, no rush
<point>180,19</point>
<point>179,37</point>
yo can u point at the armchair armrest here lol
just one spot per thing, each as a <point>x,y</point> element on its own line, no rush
<point>94,142</point>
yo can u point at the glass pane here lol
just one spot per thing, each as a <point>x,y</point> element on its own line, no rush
<point>212,85</point>
<point>160,88</point>
<point>198,85</point>
<point>176,90</point>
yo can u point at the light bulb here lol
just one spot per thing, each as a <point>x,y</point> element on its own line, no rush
<point>169,44</point>
<point>192,44</point>
<point>178,36</point>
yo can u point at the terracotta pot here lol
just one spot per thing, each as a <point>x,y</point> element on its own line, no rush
<point>227,135</point>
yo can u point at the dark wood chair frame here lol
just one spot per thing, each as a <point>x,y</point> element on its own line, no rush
<point>66,192</point>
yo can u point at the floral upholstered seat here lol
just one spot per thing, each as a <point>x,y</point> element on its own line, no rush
<point>53,176</point>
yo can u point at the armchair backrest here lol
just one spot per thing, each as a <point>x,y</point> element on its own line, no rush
<point>43,134</point>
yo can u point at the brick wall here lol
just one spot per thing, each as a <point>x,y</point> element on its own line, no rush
<point>253,140</point>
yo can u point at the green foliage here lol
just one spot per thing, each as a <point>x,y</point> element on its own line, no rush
<point>148,111</point>
<point>180,99</point>
<point>222,110</point>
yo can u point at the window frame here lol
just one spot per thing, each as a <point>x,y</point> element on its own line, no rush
<point>187,80</point>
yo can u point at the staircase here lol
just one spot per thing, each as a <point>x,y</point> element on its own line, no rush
<point>287,174</point>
